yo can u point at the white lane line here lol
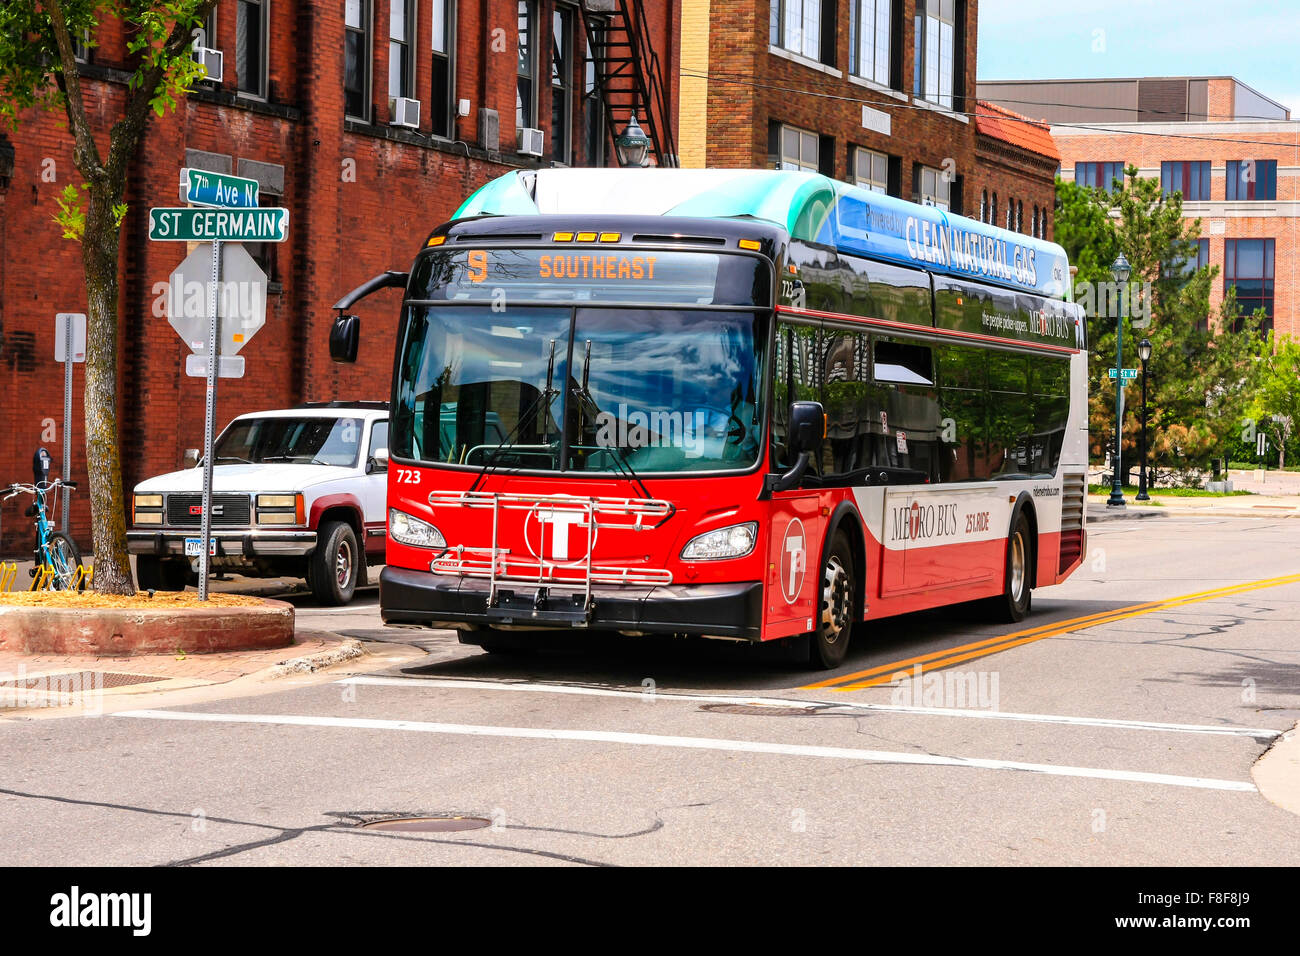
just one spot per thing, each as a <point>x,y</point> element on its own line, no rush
<point>529,687</point>
<point>695,743</point>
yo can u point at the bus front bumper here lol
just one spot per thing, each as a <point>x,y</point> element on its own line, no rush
<point>733,611</point>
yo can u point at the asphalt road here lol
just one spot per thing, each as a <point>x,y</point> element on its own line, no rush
<point>1123,738</point>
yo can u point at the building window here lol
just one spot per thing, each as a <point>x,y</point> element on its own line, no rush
<point>401,63</point>
<point>993,211</point>
<point>1192,179</point>
<point>526,86</point>
<point>871,170</point>
<point>1033,223</point>
<point>562,85</point>
<point>936,51</point>
<point>250,46</point>
<point>984,206</point>
<point>1099,175</point>
<point>1252,179</point>
<point>1011,215</point>
<point>1248,268</point>
<point>592,102</point>
<point>795,25</point>
<point>356,69</point>
<point>870,29</point>
<point>265,254</point>
<point>793,148</point>
<point>1020,217</point>
<point>441,113</point>
<point>1186,267</point>
<point>931,187</point>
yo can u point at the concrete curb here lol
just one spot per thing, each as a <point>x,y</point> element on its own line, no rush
<point>347,649</point>
<point>1277,773</point>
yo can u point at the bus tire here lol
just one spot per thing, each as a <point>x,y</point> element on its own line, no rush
<point>1017,595</point>
<point>333,565</point>
<point>829,643</point>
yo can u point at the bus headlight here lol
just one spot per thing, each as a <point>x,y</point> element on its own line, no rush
<point>734,541</point>
<point>405,529</point>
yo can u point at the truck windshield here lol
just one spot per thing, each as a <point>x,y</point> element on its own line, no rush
<point>591,390</point>
<point>301,441</point>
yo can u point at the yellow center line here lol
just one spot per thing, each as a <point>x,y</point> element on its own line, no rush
<point>954,655</point>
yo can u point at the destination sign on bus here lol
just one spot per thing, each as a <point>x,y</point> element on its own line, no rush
<point>593,275</point>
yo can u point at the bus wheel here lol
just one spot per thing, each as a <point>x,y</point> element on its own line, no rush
<point>1014,603</point>
<point>829,643</point>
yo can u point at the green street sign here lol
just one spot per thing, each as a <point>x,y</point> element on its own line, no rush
<point>1129,374</point>
<point>218,225</point>
<point>202,188</point>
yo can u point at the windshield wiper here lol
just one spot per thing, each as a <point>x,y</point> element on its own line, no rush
<point>543,400</point>
<point>584,395</point>
<point>313,458</point>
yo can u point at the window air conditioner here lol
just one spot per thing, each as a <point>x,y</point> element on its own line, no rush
<point>212,61</point>
<point>406,112</point>
<point>531,142</point>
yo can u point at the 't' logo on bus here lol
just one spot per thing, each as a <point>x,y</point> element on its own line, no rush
<point>794,560</point>
<point>554,540</point>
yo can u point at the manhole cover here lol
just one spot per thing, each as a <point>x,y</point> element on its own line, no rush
<point>78,680</point>
<point>428,824</point>
<point>760,710</point>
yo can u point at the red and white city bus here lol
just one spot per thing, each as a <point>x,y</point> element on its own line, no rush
<point>737,404</point>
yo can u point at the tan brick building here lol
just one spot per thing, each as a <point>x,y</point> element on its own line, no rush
<point>1233,153</point>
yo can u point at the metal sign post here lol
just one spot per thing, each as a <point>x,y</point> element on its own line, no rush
<point>67,420</point>
<point>69,348</point>
<point>209,422</point>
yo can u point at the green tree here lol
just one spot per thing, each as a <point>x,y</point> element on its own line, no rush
<point>1276,401</point>
<point>39,69</point>
<point>1198,379</point>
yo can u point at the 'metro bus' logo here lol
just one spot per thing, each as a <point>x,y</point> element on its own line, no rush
<point>919,521</point>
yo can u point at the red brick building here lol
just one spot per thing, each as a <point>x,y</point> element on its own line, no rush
<point>308,104</point>
<point>1233,154</point>
<point>877,92</point>
<point>1016,162</point>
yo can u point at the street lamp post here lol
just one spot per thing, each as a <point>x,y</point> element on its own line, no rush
<point>633,146</point>
<point>1144,353</point>
<point>1121,270</point>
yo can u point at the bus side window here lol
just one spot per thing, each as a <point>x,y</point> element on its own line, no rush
<point>852,403</point>
<point>1009,413</point>
<point>1050,381</point>
<point>795,379</point>
<point>911,426</point>
<point>963,400</point>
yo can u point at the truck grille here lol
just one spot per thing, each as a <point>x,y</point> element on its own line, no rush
<point>228,511</point>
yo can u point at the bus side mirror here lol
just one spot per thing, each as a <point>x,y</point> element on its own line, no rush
<point>807,429</point>
<point>345,336</point>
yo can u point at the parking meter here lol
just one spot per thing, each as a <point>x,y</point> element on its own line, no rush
<point>41,466</point>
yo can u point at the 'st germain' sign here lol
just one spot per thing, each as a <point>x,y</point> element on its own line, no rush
<point>220,225</point>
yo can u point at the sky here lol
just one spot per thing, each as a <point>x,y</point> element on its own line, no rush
<point>1257,41</point>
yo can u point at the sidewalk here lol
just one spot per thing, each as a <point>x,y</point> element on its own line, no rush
<point>1239,506</point>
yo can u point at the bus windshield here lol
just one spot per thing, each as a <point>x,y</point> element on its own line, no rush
<point>590,390</point>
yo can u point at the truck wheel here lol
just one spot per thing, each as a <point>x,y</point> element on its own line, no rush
<point>332,570</point>
<point>1014,602</point>
<point>829,643</point>
<point>153,573</point>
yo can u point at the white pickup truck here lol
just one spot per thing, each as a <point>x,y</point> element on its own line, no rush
<point>297,492</point>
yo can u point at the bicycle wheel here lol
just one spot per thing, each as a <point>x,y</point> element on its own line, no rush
<point>64,558</point>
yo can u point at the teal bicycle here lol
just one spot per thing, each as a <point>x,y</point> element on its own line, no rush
<point>56,553</point>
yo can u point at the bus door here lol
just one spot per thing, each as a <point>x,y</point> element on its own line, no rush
<point>792,588</point>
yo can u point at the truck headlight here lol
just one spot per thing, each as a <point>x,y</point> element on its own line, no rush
<point>281,509</point>
<point>146,509</point>
<point>405,529</point>
<point>733,541</point>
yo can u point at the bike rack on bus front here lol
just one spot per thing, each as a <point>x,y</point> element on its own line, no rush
<point>499,565</point>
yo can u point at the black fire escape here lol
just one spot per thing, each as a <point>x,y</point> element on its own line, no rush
<point>629,77</point>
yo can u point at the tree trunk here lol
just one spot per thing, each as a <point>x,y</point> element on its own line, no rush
<point>99,253</point>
